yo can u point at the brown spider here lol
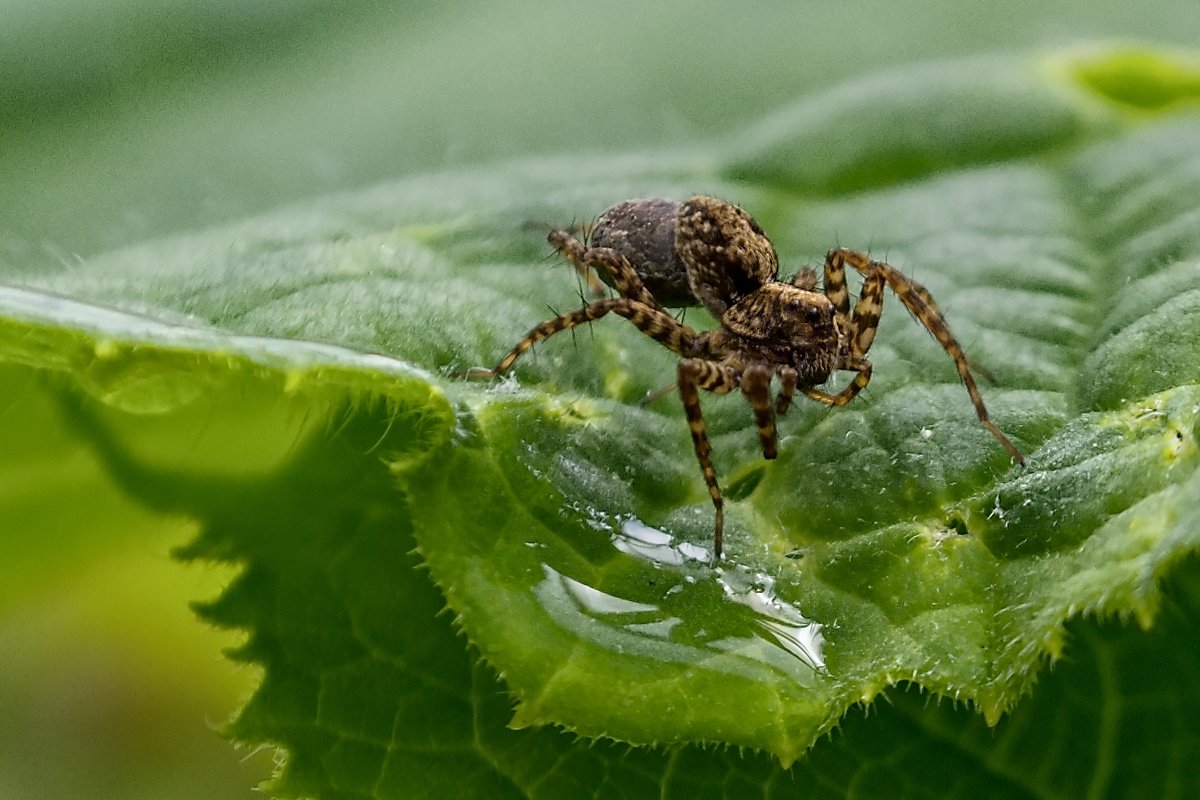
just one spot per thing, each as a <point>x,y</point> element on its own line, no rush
<point>707,251</point>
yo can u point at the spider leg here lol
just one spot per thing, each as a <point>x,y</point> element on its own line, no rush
<point>756,386</point>
<point>862,327</point>
<point>694,374</point>
<point>787,388</point>
<point>657,394</point>
<point>835,286</point>
<point>865,321</point>
<point>850,392</point>
<point>588,261</point>
<point>916,299</point>
<point>654,322</point>
<point>572,250</point>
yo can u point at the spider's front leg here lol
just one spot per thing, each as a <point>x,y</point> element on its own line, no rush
<point>916,299</point>
<point>788,377</point>
<point>695,374</point>
<point>860,333</point>
<point>756,386</point>
<point>654,322</point>
<point>862,367</point>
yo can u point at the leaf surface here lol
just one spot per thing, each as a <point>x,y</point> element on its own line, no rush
<point>1050,207</point>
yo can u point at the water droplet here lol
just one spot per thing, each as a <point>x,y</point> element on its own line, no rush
<point>765,628</point>
<point>636,538</point>
<point>597,602</point>
<point>778,619</point>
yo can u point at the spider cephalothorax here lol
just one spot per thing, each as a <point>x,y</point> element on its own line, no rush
<point>705,251</point>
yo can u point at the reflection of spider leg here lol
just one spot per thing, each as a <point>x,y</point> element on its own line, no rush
<point>916,298</point>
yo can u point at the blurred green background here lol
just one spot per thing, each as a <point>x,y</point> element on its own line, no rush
<point>124,120</point>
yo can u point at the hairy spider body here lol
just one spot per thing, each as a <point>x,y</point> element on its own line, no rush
<point>709,252</point>
<point>644,232</point>
<point>784,326</point>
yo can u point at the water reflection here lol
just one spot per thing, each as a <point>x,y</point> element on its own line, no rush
<point>597,602</point>
<point>690,604</point>
<point>782,621</point>
<point>650,544</point>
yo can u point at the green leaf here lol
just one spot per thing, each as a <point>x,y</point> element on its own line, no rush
<point>228,377</point>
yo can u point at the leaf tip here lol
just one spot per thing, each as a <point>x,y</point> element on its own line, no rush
<point>1135,77</point>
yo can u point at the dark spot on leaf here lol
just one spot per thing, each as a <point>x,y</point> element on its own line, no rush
<point>744,484</point>
<point>958,525</point>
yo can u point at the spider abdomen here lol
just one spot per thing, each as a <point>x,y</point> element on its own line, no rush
<point>644,232</point>
<point>703,251</point>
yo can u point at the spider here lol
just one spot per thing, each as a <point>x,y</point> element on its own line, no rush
<point>709,252</point>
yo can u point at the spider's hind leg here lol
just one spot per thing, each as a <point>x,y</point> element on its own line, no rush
<point>592,261</point>
<point>573,250</point>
